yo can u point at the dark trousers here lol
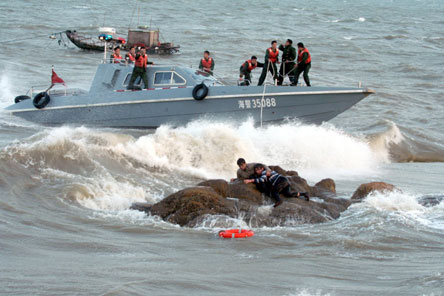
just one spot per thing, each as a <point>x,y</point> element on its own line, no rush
<point>281,186</point>
<point>263,188</point>
<point>138,71</point>
<point>273,70</point>
<point>301,69</point>
<point>283,72</point>
<point>247,78</point>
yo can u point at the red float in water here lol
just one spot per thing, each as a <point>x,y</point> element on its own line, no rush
<point>235,233</point>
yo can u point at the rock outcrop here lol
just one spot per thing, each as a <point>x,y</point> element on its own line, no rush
<point>193,206</point>
<point>365,189</point>
<point>188,204</point>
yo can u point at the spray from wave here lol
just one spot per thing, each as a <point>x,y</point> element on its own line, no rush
<point>107,171</point>
<point>104,170</point>
<point>404,207</point>
<point>5,91</point>
<point>210,150</point>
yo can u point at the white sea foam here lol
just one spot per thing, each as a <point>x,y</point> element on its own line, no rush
<point>109,195</point>
<point>219,222</point>
<point>210,150</point>
<point>361,19</point>
<point>133,217</point>
<point>405,207</point>
<point>265,210</point>
<point>308,292</point>
<point>200,149</point>
<point>395,201</point>
<point>6,96</point>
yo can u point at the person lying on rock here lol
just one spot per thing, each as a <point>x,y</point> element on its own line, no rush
<point>246,170</point>
<point>278,184</point>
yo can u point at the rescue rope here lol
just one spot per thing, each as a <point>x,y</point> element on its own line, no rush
<point>22,39</point>
<point>287,74</point>
<point>263,94</point>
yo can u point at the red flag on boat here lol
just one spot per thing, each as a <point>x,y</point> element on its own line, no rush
<point>56,79</point>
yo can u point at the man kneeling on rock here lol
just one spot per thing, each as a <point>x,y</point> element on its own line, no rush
<point>246,170</point>
<point>278,184</point>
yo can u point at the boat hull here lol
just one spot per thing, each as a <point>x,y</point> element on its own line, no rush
<point>152,108</point>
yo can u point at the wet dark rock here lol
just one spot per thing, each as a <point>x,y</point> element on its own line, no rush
<point>217,198</point>
<point>300,184</point>
<point>245,192</point>
<point>283,172</point>
<point>325,187</point>
<point>219,185</point>
<point>141,206</point>
<point>430,201</point>
<point>235,189</point>
<point>184,206</point>
<point>365,189</point>
<point>215,202</point>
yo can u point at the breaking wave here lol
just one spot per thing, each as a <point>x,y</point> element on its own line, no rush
<point>406,208</point>
<point>392,145</point>
<point>210,150</point>
<point>106,170</point>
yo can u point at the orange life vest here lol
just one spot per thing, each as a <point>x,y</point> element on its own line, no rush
<point>273,55</point>
<point>301,52</point>
<point>141,61</point>
<point>207,64</point>
<point>116,58</point>
<point>131,57</point>
<point>250,65</point>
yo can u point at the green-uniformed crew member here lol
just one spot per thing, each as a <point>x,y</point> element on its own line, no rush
<point>207,63</point>
<point>288,61</point>
<point>304,64</point>
<point>271,58</point>
<point>247,67</point>
<point>140,69</point>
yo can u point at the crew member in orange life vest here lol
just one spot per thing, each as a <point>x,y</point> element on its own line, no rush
<point>207,63</point>
<point>140,69</point>
<point>116,57</point>
<point>303,65</point>
<point>247,67</point>
<point>130,57</point>
<point>271,58</point>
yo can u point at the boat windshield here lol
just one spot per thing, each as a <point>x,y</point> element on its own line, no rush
<point>201,76</point>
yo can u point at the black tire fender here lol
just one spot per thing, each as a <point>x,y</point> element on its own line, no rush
<point>18,99</point>
<point>200,91</point>
<point>41,100</point>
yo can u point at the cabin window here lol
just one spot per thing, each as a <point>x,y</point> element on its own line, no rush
<point>138,81</point>
<point>163,78</point>
<point>168,78</point>
<point>178,79</point>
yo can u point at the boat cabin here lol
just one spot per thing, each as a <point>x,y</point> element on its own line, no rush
<point>116,76</point>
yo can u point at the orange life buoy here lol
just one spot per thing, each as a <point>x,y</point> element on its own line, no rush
<point>235,233</point>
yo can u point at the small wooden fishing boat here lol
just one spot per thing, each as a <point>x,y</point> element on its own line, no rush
<point>142,36</point>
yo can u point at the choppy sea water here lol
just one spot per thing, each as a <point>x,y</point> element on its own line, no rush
<point>65,227</point>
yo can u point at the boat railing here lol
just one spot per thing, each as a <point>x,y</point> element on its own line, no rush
<point>122,62</point>
<point>57,91</point>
